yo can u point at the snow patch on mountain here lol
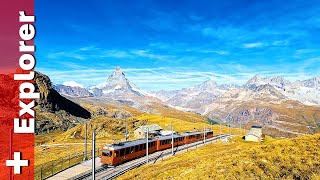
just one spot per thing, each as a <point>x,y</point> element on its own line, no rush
<point>72,84</point>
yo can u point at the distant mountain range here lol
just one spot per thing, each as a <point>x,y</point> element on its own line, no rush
<point>281,105</point>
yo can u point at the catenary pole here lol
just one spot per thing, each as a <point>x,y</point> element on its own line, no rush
<point>147,145</point>
<point>126,131</point>
<point>220,128</point>
<point>204,135</point>
<point>171,139</point>
<point>85,142</point>
<point>93,155</point>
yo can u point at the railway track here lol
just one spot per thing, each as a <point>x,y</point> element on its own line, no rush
<point>106,173</point>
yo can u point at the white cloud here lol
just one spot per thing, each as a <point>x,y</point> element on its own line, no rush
<point>72,84</point>
<point>253,45</point>
<point>220,52</point>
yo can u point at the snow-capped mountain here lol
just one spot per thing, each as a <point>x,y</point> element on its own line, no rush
<point>278,82</point>
<point>273,102</point>
<point>312,83</point>
<point>72,89</point>
<point>193,98</point>
<point>116,84</point>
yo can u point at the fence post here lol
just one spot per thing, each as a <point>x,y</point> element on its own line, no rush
<point>84,159</point>
<point>61,164</point>
<point>52,168</point>
<point>41,172</point>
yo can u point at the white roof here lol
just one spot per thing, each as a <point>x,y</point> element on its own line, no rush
<point>166,133</point>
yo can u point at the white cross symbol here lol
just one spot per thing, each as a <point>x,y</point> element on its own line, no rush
<point>17,163</point>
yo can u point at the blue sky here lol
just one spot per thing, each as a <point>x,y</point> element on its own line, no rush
<point>174,44</point>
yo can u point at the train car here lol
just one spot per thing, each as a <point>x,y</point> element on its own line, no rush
<point>118,153</point>
<point>164,142</point>
<point>190,137</point>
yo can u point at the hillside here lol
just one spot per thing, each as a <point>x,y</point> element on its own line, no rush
<point>297,158</point>
<point>109,119</point>
<point>55,112</point>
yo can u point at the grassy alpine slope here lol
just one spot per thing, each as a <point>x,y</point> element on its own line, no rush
<point>60,144</point>
<point>297,158</point>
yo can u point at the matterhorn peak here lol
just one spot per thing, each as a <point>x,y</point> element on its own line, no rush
<point>118,84</point>
<point>118,72</point>
<point>118,69</point>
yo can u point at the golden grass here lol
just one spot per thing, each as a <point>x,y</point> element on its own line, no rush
<point>297,158</point>
<point>61,144</point>
<point>183,125</point>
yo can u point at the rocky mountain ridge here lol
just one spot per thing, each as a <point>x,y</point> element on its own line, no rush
<point>270,102</point>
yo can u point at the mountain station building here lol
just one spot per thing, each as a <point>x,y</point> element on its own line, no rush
<point>255,134</point>
<point>141,131</point>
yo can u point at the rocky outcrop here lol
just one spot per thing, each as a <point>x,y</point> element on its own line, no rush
<point>55,112</point>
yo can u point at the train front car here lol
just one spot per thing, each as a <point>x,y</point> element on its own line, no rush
<point>116,154</point>
<point>107,155</point>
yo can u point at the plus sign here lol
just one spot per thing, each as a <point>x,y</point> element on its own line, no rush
<point>17,163</point>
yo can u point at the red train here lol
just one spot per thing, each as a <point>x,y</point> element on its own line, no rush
<point>118,153</point>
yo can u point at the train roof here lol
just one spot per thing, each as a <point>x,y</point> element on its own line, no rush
<point>169,136</point>
<point>194,133</point>
<point>128,144</point>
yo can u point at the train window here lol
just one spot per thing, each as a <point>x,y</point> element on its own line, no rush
<point>128,150</point>
<point>136,148</point>
<point>110,154</point>
<point>132,149</point>
<point>105,153</point>
<point>122,152</point>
